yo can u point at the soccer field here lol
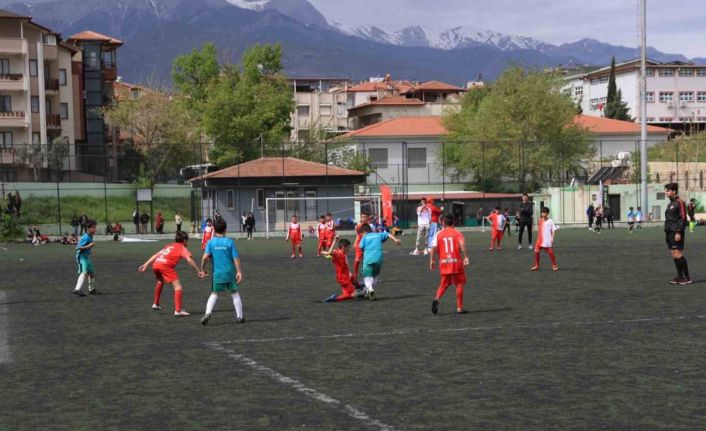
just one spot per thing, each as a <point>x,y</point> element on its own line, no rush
<point>605,343</point>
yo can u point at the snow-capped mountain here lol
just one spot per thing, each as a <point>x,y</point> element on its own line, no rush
<point>256,5</point>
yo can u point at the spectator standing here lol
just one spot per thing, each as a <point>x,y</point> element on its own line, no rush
<point>423,221</point>
<point>598,214</point>
<point>526,213</point>
<point>159,223</point>
<point>82,221</point>
<point>243,221</point>
<point>608,214</point>
<point>74,223</point>
<point>507,222</point>
<point>479,217</point>
<point>250,224</point>
<point>136,221</point>
<point>591,213</point>
<point>178,221</point>
<point>144,219</point>
<point>10,203</point>
<point>18,203</point>
<point>217,216</point>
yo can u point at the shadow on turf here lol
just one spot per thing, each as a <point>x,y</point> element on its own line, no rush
<point>379,298</point>
<point>247,321</point>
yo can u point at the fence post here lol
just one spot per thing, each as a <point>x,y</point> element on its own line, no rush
<point>443,171</point>
<point>58,204</point>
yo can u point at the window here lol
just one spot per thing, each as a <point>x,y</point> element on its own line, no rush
<point>700,72</point>
<point>34,101</point>
<point>378,157</point>
<point>62,76</point>
<point>686,119</point>
<point>650,95</point>
<point>64,108</point>
<point>303,111</point>
<point>5,104</point>
<point>134,94</point>
<point>665,119</point>
<point>701,119</point>
<point>230,199</point>
<point>325,110</point>
<point>578,91</point>
<point>666,72</point>
<point>686,72</point>
<point>650,119</point>
<point>686,96</point>
<point>666,96</point>
<point>36,138</point>
<point>33,68</point>
<point>4,66</point>
<point>599,80</point>
<point>260,198</point>
<point>48,39</point>
<point>341,110</point>
<point>47,106</point>
<point>373,98</point>
<point>416,157</point>
<point>661,196</point>
<point>5,139</point>
<point>650,72</point>
<point>701,96</point>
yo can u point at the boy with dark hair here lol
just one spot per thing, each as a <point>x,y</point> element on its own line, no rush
<point>339,258</point>
<point>675,229</point>
<point>330,231</point>
<point>371,245</point>
<point>450,244</point>
<point>321,234</point>
<point>165,261</point>
<point>545,240</point>
<point>497,226</point>
<point>294,234</point>
<point>226,271</point>
<point>84,261</point>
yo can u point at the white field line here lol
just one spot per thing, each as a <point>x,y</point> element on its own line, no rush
<point>4,330</point>
<point>302,388</point>
<point>467,329</point>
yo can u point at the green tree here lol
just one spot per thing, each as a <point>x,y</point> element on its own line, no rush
<point>192,74</point>
<point>519,130</point>
<point>615,107</point>
<point>31,155</point>
<point>57,152</point>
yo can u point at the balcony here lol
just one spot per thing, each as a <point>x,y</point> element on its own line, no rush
<point>11,46</point>
<point>7,156</point>
<point>110,73</point>
<point>51,84</point>
<point>13,119</point>
<point>12,82</point>
<point>53,121</point>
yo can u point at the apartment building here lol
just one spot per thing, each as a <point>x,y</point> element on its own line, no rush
<point>37,99</point>
<point>320,104</point>
<point>676,92</point>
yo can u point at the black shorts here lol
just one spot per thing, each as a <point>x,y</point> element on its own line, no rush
<point>672,243</point>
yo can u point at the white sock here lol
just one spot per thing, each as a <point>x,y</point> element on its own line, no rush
<point>238,304</point>
<point>211,302</point>
<point>368,283</point>
<point>81,279</point>
<point>375,281</point>
<point>90,283</point>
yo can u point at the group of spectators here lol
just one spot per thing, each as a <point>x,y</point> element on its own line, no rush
<point>14,204</point>
<point>247,223</point>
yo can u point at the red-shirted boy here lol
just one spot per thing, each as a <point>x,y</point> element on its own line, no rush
<point>164,263</point>
<point>321,235</point>
<point>450,244</point>
<point>207,234</point>
<point>545,241</point>
<point>294,234</point>
<point>497,226</point>
<point>364,219</point>
<point>339,258</point>
<point>330,231</point>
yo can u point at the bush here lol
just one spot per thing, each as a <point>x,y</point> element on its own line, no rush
<point>10,228</point>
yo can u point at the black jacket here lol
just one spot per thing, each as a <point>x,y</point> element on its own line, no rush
<point>526,211</point>
<point>675,216</point>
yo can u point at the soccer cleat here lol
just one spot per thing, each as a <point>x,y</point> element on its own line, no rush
<point>519,247</point>
<point>301,255</point>
<point>555,268</point>
<point>156,307</point>
<point>686,280</point>
<point>94,292</point>
<point>331,298</point>
<point>676,280</point>
<point>206,317</point>
<point>293,256</point>
<point>461,311</point>
<point>534,268</point>
<point>181,313</point>
<point>426,252</point>
<point>371,295</point>
<point>435,306</point>
<point>240,319</point>
<point>414,253</point>
<point>79,293</point>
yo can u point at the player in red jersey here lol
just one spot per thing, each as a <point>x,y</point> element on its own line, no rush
<point>321,235</point>
<point>330,231</point>
<point>164,263</point>
<point>364,219</point>
<point>294,234</point>
<point>207,234</point>
<point>545,241</point>
<point>497,226</point>
<point>450,244</point>
<point>339,258</point>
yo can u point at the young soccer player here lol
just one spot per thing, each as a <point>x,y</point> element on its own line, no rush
<point>436,213</point>
<point>206,233</point>
<point>364,220</point>
<point>545,240</point>
<point>330,231</point>
<point>294,234</point>
<point>450,244</point>
<point>631,219</point>
<point>638,219</point>
<point>497,225</point>
<point>321,234</point>
<point>339,258</point>
<point>371,244</point>
<point>227,273</point>
<point>691,212</point>
<point>675,229</point>
<point>84,261</point>
<point>163,264</point>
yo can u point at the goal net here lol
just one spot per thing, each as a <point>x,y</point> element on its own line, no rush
<point>345,211</point>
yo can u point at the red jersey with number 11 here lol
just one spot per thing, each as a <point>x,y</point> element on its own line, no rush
<point>448,244</point>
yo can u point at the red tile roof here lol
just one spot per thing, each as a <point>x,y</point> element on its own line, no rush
<point>391,101</point>
<point>401,126</point>
<point>271,167</point>
<point>368,87</point>
<point>92,35</point>
<point>434,86</point>
<point>608,126</point>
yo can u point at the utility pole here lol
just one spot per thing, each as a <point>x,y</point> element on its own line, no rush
<point>643,106</point>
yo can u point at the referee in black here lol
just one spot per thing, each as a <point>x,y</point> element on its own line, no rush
<point>526,211</point>
<point>675,222</point>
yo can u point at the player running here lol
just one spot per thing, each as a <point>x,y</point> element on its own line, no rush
<point>675,228</point>
<point>294,234</point>
<point>84,261</point>
<point>371,244</point>
<point>450,244</point>
<point>497,225</point>
<point>207,234</point>
<point>364,221</point>
<point>545,240</point>
<point>339,258</point>
<point>163,264</point>
<point>226,271</point>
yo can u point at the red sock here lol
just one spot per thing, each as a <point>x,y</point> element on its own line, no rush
<point>300,249</point>
<point>536,258</point>
<point>550,251</point>
<point>158,292</point>
<point>356,266</point>
<point>318,249</point>
<point>177,300</point>
<point>441,290</point>
<point>294,248</point>
<point>459,296</point>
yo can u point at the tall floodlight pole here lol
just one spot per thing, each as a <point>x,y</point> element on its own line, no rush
<point>643,105</point>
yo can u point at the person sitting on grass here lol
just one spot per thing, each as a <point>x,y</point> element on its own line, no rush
<point>117,231</point>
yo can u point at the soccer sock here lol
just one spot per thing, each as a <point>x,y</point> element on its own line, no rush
<point>90,283</point>
<point>238,304</point>
<point>81,279</point>
<point>529,235</point>
<point>177,300</point>
<point>158,292</point>
<point>300,249</point>
<point>677,263</point>
<point>211,302</point>
<point>684,267</point>
<point>294,248</point>
<point>536,258</point>
<point>368,283</point>
<point>459,296</point>
<point>356,267</point>
<point>550,252</point>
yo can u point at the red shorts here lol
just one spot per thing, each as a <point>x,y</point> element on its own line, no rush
<point>165,275</point>
<point>358,255</point>
<point>296,241</point>
<point>449,279</point>
<point>497,234</point>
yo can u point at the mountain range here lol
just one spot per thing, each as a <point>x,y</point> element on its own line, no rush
<point>156,31</point>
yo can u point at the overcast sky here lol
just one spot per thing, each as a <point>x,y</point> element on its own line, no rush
<point>674,26</point>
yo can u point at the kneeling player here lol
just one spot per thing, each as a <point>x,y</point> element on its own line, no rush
<point>450,244</point>
<point>339,258</point>
<point>164,263</point>
<point>546,240</point>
